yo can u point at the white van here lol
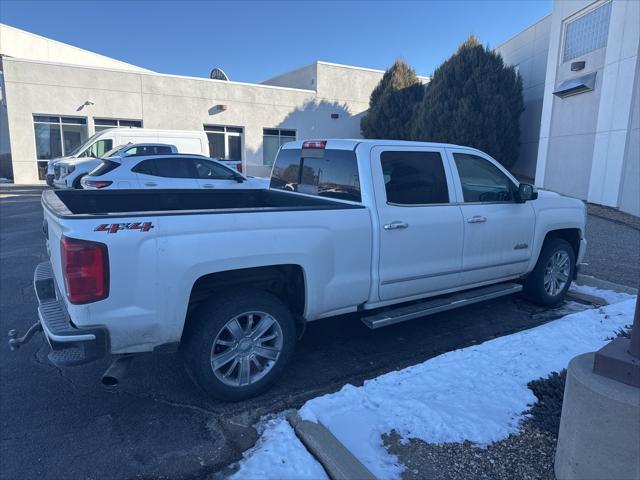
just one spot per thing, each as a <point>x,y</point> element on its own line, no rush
<point>85,156</point>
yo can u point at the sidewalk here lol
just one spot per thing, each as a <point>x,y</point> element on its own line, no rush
<point>613,246</point>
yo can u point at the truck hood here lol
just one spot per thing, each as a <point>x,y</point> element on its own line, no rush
<point>547,194</point>
<point>59,159</point>
<point>549,199</point>
<point>77,161</point>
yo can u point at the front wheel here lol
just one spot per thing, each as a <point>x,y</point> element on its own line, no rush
<point>239,343</point>
<point>551,278</point>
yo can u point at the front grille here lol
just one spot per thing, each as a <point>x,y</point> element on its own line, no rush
<point>56,172</point>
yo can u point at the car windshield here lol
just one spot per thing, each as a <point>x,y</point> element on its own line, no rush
<point>83,146</point>
<point>114,150</point>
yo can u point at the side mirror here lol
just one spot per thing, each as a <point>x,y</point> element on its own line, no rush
<point>526,192</point>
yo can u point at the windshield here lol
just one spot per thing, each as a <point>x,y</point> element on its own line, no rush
<point>115,150</point>
<point>76,151</point>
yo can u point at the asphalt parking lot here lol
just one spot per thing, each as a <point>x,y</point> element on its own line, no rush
<point>61,423</point>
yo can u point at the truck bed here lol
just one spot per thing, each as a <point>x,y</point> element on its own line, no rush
<point>114,203</point>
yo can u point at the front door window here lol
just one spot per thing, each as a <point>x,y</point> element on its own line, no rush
<point>482,181</point>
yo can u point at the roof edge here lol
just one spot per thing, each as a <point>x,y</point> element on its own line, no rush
<point>58,42</point>
<point>157,74</point>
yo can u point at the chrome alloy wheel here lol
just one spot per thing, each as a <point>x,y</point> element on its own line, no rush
<point>556,273</point>
<point>246,348</point>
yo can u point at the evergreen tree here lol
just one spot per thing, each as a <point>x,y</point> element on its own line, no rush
<point>473,99</point>
<point>392,102</point>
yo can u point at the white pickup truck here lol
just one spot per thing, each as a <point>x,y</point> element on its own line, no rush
<point>392,230</point>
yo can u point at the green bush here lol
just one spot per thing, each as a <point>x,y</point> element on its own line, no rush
<point>392,103</point>
<point>473,99</point>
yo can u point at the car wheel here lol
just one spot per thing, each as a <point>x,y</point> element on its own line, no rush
<point>238,344</point>
<point>76,183</point>
<point>551,278</point>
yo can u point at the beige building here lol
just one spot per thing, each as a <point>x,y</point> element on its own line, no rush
<point>581,125</point>
<point>54,96</point>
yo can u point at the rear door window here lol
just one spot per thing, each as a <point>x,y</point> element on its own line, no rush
<point>146,167</point>
<point>414,177</point>
<point>322,172</point>
<point>167,167</point>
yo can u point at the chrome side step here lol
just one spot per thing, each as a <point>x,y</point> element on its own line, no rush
<point>439,304</point>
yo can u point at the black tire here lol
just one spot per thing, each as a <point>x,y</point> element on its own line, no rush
<point>209,321</point>
<point>76,183</point>
<point>534,284</point>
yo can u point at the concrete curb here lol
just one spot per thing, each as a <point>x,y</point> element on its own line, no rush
<point>337,460</point>
<point>586,298</point>
<point>605,285</point>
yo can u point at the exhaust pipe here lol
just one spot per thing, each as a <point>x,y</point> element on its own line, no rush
<point>116,371</point>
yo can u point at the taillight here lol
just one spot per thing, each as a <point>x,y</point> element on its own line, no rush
<point>239,167</point>
<point>97,183</point>
<point>85,267</point>
<point>314,144</point>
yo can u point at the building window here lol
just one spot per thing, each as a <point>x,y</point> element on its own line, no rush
<point>225,143</point>
<point>104,123</point>
<point>272,138</point>
<point>57,137</point>
<point>587,33</point>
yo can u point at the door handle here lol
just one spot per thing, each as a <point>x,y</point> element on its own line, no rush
<point>151,184</point>
<point>477,219</point>
<point>396,225</point>
<point>208,185</point>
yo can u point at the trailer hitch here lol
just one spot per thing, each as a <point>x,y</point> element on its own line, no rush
<point>16,342</point>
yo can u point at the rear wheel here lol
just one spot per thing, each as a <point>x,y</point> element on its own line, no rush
<point>551,278</point>
<point>239,344</point>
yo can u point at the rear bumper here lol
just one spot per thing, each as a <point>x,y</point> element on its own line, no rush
<point>69,345</point>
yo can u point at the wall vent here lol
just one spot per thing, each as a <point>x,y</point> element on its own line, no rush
<point>585,83</point>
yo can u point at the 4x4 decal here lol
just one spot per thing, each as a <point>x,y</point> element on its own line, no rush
<point>115,227</point>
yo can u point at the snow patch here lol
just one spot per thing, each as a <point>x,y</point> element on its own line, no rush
<point>478,393</point>
<point>278,455</point>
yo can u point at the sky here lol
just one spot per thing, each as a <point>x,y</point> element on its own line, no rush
<point>253,41</point>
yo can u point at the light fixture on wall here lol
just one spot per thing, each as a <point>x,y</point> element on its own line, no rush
<point>86,103</point>
<point>217,109</point>
<point>577,66</point>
